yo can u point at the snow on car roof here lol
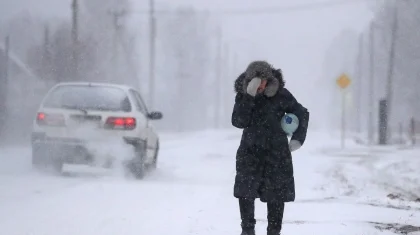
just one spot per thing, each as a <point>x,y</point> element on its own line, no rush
<point>124,87</point>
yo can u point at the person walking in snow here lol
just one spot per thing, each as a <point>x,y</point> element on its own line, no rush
<point>264,167</point>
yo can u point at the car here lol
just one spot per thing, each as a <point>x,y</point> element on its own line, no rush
<point>74,115</point>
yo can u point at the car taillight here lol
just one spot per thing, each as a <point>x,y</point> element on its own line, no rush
<point>123,123</point>
<point>50,119</point>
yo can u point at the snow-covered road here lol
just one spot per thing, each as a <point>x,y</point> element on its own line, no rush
<point>338,192</point>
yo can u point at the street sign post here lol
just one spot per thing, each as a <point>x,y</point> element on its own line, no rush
<point>343,81</point>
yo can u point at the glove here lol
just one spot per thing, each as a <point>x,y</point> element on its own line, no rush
<point>294,145</point>
<point>252,87</point>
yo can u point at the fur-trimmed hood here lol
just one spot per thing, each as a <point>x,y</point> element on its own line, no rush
<point>263,70</point>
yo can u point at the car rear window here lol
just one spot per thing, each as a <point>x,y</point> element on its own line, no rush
<point>98,98</point>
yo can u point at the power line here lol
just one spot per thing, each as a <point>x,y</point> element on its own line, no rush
<point>301,7</point>
<point>152,52</point>
<point>266,10</point>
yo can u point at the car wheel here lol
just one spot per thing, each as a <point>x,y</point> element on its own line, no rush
<point>57,165</point>
<point>37,158</point>
<point>137,166</point>
<point>155,156</point>
<point>42,160</point>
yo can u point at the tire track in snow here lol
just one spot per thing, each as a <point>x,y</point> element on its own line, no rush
<point>20,182</point>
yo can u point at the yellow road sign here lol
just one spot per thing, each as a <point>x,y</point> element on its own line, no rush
<point>343,81</point>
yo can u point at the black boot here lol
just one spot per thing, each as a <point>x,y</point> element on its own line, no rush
<point>247,208</point>
<point>273,231</point>
<point>249,231</point>
<point>275,212</point>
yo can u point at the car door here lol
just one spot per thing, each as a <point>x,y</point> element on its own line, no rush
<point>151,137</point>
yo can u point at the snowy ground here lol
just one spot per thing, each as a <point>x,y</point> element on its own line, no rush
<point>352,192</point>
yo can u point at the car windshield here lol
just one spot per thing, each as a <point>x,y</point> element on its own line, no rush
<point>99,98</point>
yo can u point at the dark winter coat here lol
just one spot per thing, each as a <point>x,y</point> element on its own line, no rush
<point>264,167</point>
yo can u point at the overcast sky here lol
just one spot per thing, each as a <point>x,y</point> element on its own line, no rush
<point>295,41</point>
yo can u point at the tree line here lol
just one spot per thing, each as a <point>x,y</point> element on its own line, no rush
<point>382,61</point>
<point>100,45</point>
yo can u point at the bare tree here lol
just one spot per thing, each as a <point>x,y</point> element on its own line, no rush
<point>187,40</point>
<point>405,80</point>
<point>52,59</point>
<point>106,21</point>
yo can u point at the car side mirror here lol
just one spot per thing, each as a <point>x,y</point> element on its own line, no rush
<point>155,115</point>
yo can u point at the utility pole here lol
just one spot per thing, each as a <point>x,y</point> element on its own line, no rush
<point>226,70</point>
<point>389,84</point>
<point>371,85</point>
<point>128,57</point>
<point>46,43</point>
<point>234,63</point>
<point>219,75</point>
<point>4,67</point>
<point>152,51</point>
<point>6,53</point>
<point>116,15</point>
<point>47,69</point>
<point>359,73</point>
<point>75,39</point>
